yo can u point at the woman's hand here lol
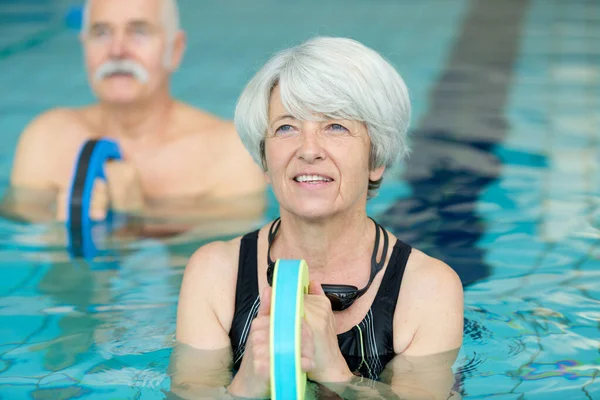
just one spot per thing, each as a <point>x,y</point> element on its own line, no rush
<point>254,377</point>
<point>330,365</point>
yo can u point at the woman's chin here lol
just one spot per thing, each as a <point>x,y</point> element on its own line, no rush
<point>314,212</point>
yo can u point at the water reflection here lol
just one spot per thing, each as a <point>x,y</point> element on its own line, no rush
<point>199,374</point>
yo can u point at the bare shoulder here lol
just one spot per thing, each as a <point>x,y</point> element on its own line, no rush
<point>205,126</point>
<point>207,296</point>
<point>427,275</point>
<point>216,257</point>
<point>46,142</point>
<point>60,126</point>
<point>213,268</point>
<point>430,304</point>
<point>211,138</point>
<point>194,121</point>
<point>54,121</point>
<point>57,116</point>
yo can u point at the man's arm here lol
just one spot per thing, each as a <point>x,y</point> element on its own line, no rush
<point>28,205</point>
<point>44,161</point>
<point>35,150</point>
<point>32,194</point>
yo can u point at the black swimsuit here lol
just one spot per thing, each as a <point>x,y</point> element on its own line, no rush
<point>367,347</point>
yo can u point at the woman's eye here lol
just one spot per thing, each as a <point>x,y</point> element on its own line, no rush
<point>284,129</point>
<point>337,127</point>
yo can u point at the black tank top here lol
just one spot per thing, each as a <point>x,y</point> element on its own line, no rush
<point>367,347</point>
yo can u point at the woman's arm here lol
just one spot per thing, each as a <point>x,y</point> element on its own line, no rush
<point>428,328</point>
<point>201,361</point>
<point>430,308</point>
<point>433,302</point>
<point>415,378</point>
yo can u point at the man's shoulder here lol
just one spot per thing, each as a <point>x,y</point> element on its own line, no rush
<point>46,147</point>
<point>62,115</point>
<point>203,130</point>
<point>58,122</point>
<point>60,130</point>
<point>216,142</point>
<point>200,123</point>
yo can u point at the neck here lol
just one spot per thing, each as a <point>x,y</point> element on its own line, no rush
<point>324,244</point>
<point>137,121</point>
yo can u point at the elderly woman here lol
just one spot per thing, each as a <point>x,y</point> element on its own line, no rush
<point>324,120</point>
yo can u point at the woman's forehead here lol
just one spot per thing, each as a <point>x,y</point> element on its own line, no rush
<point>278,110</point>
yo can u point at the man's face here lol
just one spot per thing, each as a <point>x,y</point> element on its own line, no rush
<point>125,49</point>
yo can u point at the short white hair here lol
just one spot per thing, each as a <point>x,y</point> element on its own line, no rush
<point>337,78</point>
<point>170,14</point>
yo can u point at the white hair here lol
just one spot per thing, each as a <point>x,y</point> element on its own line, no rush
<point>337,78</point>
<point>170,15</point>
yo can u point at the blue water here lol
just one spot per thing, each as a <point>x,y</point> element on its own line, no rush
<point>516,214</point>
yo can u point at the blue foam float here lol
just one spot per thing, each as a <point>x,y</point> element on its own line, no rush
<point>89,166</point>
<point>290,284</point>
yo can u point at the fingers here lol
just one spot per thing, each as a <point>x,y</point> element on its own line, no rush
<point>260,345</point>
<point>261,323</point>
<point>61,206</point>
<point>307,349</point>
<point>262,367</point>
<point>316,301</point>
<point>265,302</point>
<point>258,350</point>
<point>124,186</point>
<point>307,364</point>
<point>315,288</point>
<point>259,336</point>
<point>100,200</point>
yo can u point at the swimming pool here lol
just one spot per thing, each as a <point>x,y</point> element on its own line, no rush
<point>503,184</point>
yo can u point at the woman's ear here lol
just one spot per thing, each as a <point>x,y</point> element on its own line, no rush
<point>376,173</point>
<point>263,161</point>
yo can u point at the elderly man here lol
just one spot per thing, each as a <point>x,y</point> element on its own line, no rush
<point>173,152</point>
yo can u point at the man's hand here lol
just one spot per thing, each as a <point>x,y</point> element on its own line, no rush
<point>124,186</point>
<point>122,192</point>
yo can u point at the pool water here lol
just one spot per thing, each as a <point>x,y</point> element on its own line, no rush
<point>503,184</point>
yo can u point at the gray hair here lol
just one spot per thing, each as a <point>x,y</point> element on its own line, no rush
<point>337,78</point>
<point>170,15</point>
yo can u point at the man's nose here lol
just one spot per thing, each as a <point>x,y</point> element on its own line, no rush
<point>118,46</point>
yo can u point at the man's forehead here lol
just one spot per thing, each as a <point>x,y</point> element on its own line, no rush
<point>119,11</point>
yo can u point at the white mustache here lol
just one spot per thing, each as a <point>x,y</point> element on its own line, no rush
<point>111,67</point>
